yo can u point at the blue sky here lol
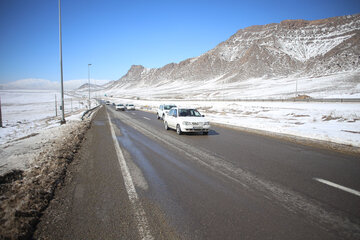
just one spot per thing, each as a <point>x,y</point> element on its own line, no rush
<point>115,34</point>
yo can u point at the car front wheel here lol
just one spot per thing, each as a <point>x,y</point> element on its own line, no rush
<point>178,130</point>
<point>166,126</point>
<point>157,115</point>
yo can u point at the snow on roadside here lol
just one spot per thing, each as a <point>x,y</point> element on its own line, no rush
<point>30,124</point>
<point>34,154</point>
<point>26,193</point>
<point>19,153</point>
<point>25,112</point>
<point>332,122</point>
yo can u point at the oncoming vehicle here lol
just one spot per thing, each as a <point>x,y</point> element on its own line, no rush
<point>163,110</point>
<point>186,120</point>
<point>107,102</point>
<point>120,107</point>
<point>130,107</point>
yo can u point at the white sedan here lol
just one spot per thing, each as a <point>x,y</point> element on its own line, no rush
<point>120,107</point>
<point>186,120</point>
<point>130,107</point>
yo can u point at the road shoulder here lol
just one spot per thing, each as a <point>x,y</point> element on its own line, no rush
<point>92,203</point>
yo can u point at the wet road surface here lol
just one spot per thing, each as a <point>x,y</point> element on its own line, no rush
<point>227,185</point>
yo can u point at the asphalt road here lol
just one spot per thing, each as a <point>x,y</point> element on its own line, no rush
<point>135,180</point>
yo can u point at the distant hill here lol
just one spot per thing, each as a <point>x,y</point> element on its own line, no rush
<point>85,87</point>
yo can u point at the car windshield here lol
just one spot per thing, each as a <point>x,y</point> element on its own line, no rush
<point>120,104</point>
<point>131,105</point>
<point>189,113</point>
<point>168,107</point>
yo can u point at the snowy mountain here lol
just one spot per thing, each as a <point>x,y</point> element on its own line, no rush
<point>292,49</point>
<point>85,87</point>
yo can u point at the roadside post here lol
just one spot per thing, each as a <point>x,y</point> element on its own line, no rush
<point>63,121</point>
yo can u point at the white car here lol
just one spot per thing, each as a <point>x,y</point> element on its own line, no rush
<point>185,120</point>
<point>120,107</point>
<point>107,102</point>
<point>130,107</point>
<point>163,110</point>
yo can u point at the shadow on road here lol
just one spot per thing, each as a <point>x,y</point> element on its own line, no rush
<point>211,133</point>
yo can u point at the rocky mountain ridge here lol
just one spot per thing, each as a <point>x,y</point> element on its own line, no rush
<point>85,87</point>
<point>291,48</point>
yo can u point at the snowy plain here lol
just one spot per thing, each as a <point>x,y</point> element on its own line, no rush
<point>30,123</point>
<point>27,111</point>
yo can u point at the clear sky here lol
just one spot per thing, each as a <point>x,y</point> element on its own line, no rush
<point>112,35</point>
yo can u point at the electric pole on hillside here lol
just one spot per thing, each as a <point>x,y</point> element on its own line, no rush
<point>61,70</point>
<point>89,84</point>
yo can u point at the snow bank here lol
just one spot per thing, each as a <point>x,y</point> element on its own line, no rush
<point>26,193</point>
<point>30,125</point>
<point>34,153</point>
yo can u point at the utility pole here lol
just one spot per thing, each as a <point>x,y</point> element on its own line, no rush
<point>1,125</point>
<point>61,70</point>
<point>89,84</point>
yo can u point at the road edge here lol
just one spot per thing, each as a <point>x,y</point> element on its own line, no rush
<point>25,195</point>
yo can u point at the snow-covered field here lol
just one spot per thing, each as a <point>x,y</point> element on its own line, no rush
<point>27,111</point>
<point>334,122</point>
<point>30,123</point>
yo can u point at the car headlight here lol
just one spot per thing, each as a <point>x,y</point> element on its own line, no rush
<point>206,123</point>
<point>186,123</point>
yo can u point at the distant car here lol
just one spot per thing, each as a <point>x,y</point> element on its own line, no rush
<point>107,102</point>
<point>163,110</point>
<point>186,120</point>
<point>120,107</point>
<point>130,107</point>
<point>113,104</point>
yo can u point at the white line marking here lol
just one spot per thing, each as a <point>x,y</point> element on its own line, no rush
<point>147,118</point>
<point>140,215</point>
<point>133,113</point>
<point>349,190</point>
